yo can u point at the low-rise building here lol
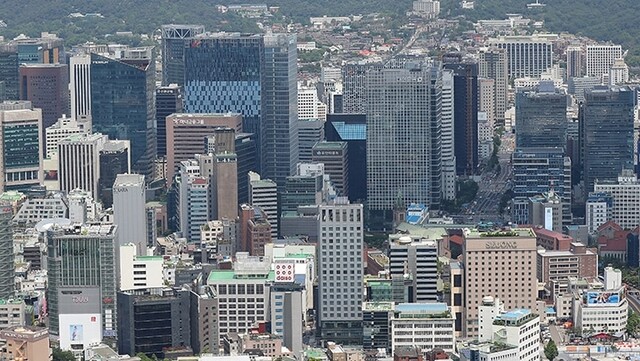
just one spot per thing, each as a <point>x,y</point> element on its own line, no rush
<point>551,240</point>
<point>425,325</point>
<point>25,343</point>
<point>558,266</point>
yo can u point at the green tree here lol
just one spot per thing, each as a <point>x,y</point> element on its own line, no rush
<point>633,323</point>
<point>143,357</point>
<point>59,355</point>
<point>551,350</point>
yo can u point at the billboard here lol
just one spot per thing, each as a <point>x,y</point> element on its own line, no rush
<point>77,331</point>
<point>601,297</point>
<point>285,270</point>
<point>79,300</point>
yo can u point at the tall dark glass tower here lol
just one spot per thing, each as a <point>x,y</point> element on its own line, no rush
<point>174,40</point>
<point>606,129</point>
<point>168,101</point>
<point>122,92</point>
<point>542,117</point>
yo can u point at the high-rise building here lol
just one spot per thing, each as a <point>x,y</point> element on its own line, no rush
<point>174,40</point>
<point>255,230</point>
<point>449,187</point>
<point>340,271</point>
<point>81,294</point>
<point>22,145</point>
<point>309,106</point>
<point>310,132</point>
<point>579,85</point>
<point>80,88</point>
<point>122,102</point>
<point>618,72</point>
<point>46,86</point>
<point>168,101</point>
<point>115,158</point>
<point>9,66</point>
<point>625,198</point>
<point>224,185</point>
<point>352,129</point>
<point>606,121</point>
<point>7,267</point>
<point>598,210</point>
<point>279,143</point>
<point>417,258</point>
<point>62,129</point>
<point>129,212</point>
<point>138,271</point>
<point>527,55</point>
<point>186,135</point>
<point>575,62</point>
<point>486,99</point>
<point>465,116</point>
<point>493,65</point>
<point>263,193</point>
<point>302,190</point>
<point>79,162</point>
<point>541,117</point>
<point>354,94</point>
<point>193,200</point>
<point>599,59</point>
<point>514,282</point>
<point>403,112</point>
<point>335,157</point>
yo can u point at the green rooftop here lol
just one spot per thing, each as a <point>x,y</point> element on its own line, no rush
<point>11,196</point>
<point>228,275</point>
<point>150,258</point>
<point>315,353</point>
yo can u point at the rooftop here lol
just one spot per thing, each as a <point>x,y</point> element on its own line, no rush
<point>378,306</point>
<point>516,317</point>
<point>228,275</point>
<point>510,233</point>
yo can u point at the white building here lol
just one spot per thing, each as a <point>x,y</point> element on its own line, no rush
<point>263,193</point>
<point>599,59</point>
<point>527,55</point>
<point>340,270</point>
<point>129,210</point>
<point>447,137</point>
<point>602,309</point>
<point>62,129</point>
<point>80,89</point>
<point>139,272</point>
<point>243,293</point>
<point>288,307</point>
<point>598,210</point>
<point>79,162</point>
<point>430,8</point>
<point>619,72</point>
<point>625,194</point>
<point>425,325</point>
<point>309,106</point>
<point>33,210</point>
<point>218,237</point>
<point>417,257</point>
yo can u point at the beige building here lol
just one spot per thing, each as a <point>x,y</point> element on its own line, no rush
<point>25,343</point>
<point>499,264</point>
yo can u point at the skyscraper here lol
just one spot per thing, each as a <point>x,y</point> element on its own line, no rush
<point>600,58</point>
<point>541,117</point>
<point>46,86</point>
<point>115,158</point>
<point>527,55</point>
<point>352,129</point>
<point>174,40</point>
<point>129,212</point>
<point>465,116</point>
<point>122,102</point>
<point>80,88</point>
<point>493,65</point>
<point>340,271</point>
<point>7,265</point>
<point>79,162</point>
<point>404,113</point>
<point>419,259</point>
<point>448,137</point>
<point>22,145</point>
<point>263,193</point>
<point>575,62</point>
<point>606,121</point>
<point>335,157</point>
<point>168,101</point>
<point>354,95</point>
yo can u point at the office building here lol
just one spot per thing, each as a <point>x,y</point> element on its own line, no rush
<point>376,325</point>
<point>224,185</point>
<point>79,162</point>
<point>340,271</point>
<point>447,137</point>
<point>492,64</point>
<point>7,267</point>
<point>287,307</point>
<point>62,129</point>
<point>527,55</point>
<point>309,106</point>
<point>599,59</point>
<point>335,157</point>
<point>80,89</point>
<point>263,193</point>
<point>255,230</point>
<point>618,72</point>
<point>129,211</point>
<point>540,170</point>
<point>193,200</point>
<point>625,200</point>
<point>608,299</point>
<point>9,68</point>
<point>465,116</point>
<point>22,145</point>
<point>352,129</point>
<point>82,285</point>
<point>541,117</point>
<point>25,343</point>
<point>354,97</point>
<point>416,258</point>
<point>115,158</point>
<point>599,207</point>
<point>486,100</point>
<point>219,237</point>
<point>546,210</point>
<point>555,268</point>
<point>139,271</point>
<point>122,102</point>
<point>168,101</point>
<point>606,119</point>
<point>174,40</point>
<point>514,282</point>
<point>412,114</point>
<point>186,135</point>
<point>432,325</point>
<point>246,287</point>
<point>310,132</point>
<point>575,62</point>
<point>579,85</point>
<point>46,86</point>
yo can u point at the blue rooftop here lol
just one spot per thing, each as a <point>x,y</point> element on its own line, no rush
<point>422,307</point>
<point>514,314</point>
<point>351,131</point>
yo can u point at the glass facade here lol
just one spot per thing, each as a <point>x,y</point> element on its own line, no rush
<point>123,107</point>
<point>21,149</point>
<point>542,119</point>
<point>174,40</point>
<point>9,72</point>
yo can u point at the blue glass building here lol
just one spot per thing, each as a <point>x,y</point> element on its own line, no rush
<point>352,129</point>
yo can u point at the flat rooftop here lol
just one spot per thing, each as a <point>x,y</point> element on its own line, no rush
<point>511,233</point>
<point>422,307</point>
